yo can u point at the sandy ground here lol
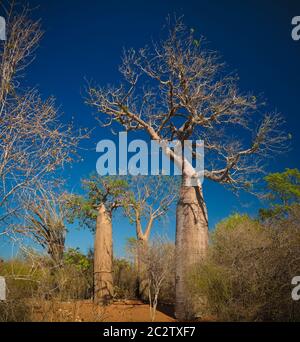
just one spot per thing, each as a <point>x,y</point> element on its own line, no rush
<point>86,311</point>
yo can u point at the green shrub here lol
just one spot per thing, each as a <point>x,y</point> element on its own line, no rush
<point>22,283</point>
<point>247,275</point>
<point>30,281</point>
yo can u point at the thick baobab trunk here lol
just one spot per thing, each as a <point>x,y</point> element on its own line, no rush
<point>103,258</point>
<point>191,243</point>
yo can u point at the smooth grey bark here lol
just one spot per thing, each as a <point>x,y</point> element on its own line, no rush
<point>142,244</point>
<point>103,258</point>
<point>191,244</point>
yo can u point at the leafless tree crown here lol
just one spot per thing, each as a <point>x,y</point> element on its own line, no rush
<point>178,89</point>
<point>34,142</point>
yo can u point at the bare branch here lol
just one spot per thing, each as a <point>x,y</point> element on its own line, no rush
<point>179,89</point>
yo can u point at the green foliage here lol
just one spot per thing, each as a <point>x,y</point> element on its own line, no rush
<point>245,277</point>
<point>210,282</point>
<point>82,209</point>
<point>76,258</point>
<point>110,191</point>
<point>105,189</point>
<point>31,281</point>
<point>233,221</point>
<point>283,193</point>
<point>22,281</point>
<point>196,43</point>
<point>21,278</point>
<point>284,186</point>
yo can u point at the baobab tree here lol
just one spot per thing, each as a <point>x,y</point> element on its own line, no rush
<point>150,201</point>
<point>177,89</point>
<point>33,141</point>
<point>103,196</point>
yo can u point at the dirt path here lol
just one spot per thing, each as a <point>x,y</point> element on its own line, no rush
<point>86,311</point>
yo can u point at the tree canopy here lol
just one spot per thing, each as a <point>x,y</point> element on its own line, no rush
<point>283,193</point>
<point>110,191</point>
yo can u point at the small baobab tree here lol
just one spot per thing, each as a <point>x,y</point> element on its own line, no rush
<point>150,200</point>
<point>177,89</point>
<point>94,210</point>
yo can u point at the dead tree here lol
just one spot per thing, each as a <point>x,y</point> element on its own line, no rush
<point>179,90</point>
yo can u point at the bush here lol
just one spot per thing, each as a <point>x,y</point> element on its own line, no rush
<point>22,283</point>
<point>158,259</point>
<point>124,275</point>
<point>247,275</point>
<point>75,279</point>
<point>140,255</point>
<point>31,281</point>
<point>22,278</point>
<point>14,311</point>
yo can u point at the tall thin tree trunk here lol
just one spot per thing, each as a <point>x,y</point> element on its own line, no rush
<point>191,243</point>
<point>138,293</point>
<point>142,244</point>
<point>103,258</point>
<point>141,285</point>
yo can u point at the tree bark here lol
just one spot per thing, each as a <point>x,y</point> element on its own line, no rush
<point>142,244</point>
<point>191,243</point>
<point>56,251</point>
<point>103,258</point>
<point>141,285</point>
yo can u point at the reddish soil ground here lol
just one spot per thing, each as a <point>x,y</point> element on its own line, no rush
<point>86,311</point>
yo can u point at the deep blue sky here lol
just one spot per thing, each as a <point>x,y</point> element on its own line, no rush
<point>84,39</point>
